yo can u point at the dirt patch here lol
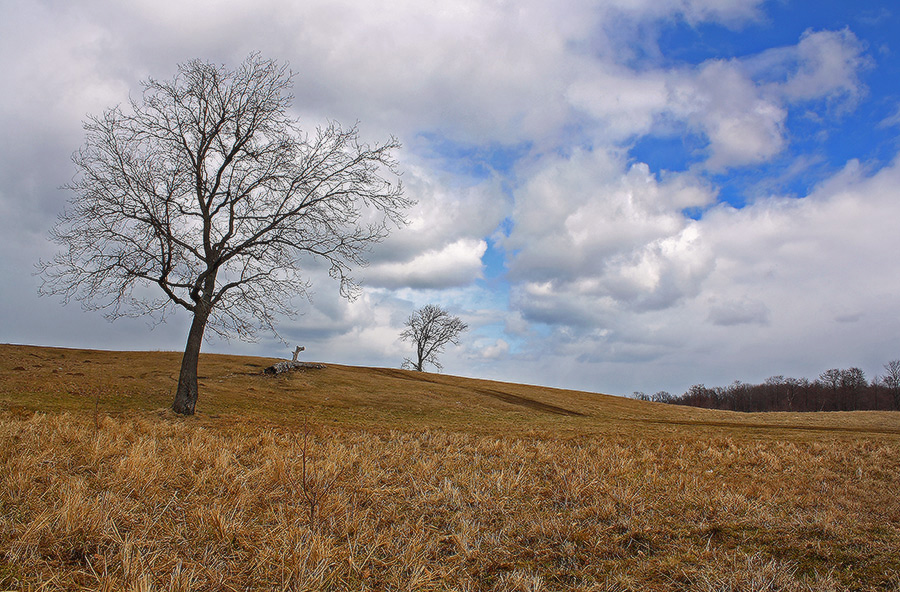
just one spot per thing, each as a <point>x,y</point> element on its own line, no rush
<point>505,397</point>
<point>530,403</point>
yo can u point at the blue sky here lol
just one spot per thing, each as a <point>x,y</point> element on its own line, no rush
<point>615,196</point>
<point>828,142</point>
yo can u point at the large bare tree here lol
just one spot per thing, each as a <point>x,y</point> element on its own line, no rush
<point>430,329</point>
<point>205,194</point>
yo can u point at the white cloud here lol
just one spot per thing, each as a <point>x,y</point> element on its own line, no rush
<point>892,120</point>
<point>466,70</point>
<point>444,242</point>
<point>793,286</point>
<point>717,99</point>
<point>739,105</point>
<point>824,64</point>
<point>593,235</point>
<point>515,324</point>
<point>456,264</point>
<point>743,127</point>
<point>493,351</point>
<point>624,102</point>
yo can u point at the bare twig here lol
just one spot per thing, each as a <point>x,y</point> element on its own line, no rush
<point>313,487</point>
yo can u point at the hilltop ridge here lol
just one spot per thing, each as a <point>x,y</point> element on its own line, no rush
<point>46,379</point>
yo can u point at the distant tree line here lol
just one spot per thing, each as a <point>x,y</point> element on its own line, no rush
<point>834,390</point>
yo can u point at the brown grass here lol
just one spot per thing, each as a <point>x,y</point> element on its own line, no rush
<point>433,484</point>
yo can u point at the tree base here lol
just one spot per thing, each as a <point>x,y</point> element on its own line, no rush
<point>184,406</point>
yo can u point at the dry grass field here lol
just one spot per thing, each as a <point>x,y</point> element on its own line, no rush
<point>376,479</point>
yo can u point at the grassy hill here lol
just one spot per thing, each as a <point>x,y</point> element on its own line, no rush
<point>235,388</point>
<point>373,478</point>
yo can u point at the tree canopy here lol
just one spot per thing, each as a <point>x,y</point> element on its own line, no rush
<point>430,329</point>
<point>207,190</point>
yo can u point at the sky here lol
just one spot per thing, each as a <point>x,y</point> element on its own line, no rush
<point>616,196</point>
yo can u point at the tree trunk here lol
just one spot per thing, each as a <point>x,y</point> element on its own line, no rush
<point>186,395</point>
<point>420,354</point>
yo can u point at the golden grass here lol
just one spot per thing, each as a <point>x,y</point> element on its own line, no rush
<point>234,388</point>
<point>423,482</point>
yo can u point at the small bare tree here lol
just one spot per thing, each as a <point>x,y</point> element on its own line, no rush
<point>208,190</point>
<point>430,329</point>
<point>313,485</point>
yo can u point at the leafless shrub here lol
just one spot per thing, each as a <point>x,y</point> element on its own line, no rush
<point>313,484</point>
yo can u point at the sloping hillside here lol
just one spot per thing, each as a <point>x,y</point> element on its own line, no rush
<point>351,478</point>
<point>51,379</point>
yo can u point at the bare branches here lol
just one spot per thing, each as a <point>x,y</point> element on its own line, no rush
<point>430,329</point>
<point>207,177</point>
<point>205,194</point>
<point>891,380</point>
<point>313,485</point>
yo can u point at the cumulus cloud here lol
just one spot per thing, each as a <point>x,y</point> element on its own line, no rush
<point>467,70</point>
<point>739,105</point>
<point>443,242</point>
<point>515,324</point>
<point>594,235</point>
<point>743,127</point>
<point>824,64</point>
<point>795,284</point>
<point>624,102</point>
<point>493,351</point>
<point>717,99</point>
<point>456,264</point>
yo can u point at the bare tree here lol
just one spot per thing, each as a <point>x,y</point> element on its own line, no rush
<point>793,387</point>
<point>853,382</point>
<point>209,190</point>
<point>661,397</point>
<point>891,380</point>
<point>831,378</point>
<point>430,329</point>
